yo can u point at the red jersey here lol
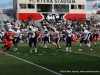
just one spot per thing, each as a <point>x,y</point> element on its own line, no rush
<point>9,36</point>
<point>38,33</point>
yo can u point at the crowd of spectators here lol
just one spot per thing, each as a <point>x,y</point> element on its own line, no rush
<point>51,24</point>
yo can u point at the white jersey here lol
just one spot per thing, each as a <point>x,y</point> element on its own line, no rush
<point>85,34</point>
<point>46,34</point>
<point>69,32</point>
<point>31,33</point>
<point>17,33</point>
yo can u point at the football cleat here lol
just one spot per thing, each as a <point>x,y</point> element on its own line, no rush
<point>31,51</point>
<point>35,50</point>
<point>80,49</point>
<point>91,49</point>
<point>70,50</point>
<point>14,49</point>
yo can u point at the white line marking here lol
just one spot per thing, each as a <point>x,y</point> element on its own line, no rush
<point>53,53</point>
<point>25,54</point>
<point>56,51</point>
<point>92,52</point>
<point>43,51</point>
<point>87,54</point>
<point>35,64</point>
<point>18,52</point>
<point>84,53</point>
<point>7,55</point>
<point>39,54</point>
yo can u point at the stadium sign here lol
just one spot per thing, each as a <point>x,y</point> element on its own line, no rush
<point>53,1</point>
<point>64,1</point>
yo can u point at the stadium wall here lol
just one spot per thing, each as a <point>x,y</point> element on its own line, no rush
<point>75,9</point>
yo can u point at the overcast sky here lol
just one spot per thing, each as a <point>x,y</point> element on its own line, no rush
<point>6,4</point>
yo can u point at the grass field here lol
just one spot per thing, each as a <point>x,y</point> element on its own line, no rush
<point>51,61</point>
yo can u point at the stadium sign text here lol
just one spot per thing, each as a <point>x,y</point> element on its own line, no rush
<point>53,1</point>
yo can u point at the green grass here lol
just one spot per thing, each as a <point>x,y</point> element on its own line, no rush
<point>51,58</point>
<point>12,66</point>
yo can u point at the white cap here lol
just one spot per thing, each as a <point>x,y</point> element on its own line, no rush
<point>30,27</point>
<point>84,28</point>
<point>68,26</point>
<point>10,30</point>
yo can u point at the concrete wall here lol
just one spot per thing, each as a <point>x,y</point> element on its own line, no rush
<point>14,4</point>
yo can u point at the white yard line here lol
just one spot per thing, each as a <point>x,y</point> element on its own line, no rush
<point>43,51</point>
<point>25,54</point>
<point>39,54</point>
<point>84,53</point>
<point>35,64</point>
<point>18,52</point>
<point>92,52</point>
<point>53,53</point>
<point>56,51</point>
<point>87,54</point>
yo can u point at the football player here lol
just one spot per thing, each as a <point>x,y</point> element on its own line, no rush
<point>45,38</point>
<point>32,39</point>
<point>57,39</point>
<point>8,37</point>
<point>68,39</point>
<point>16,38</point>
<point>84,38</point>
<point>90,39</point>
